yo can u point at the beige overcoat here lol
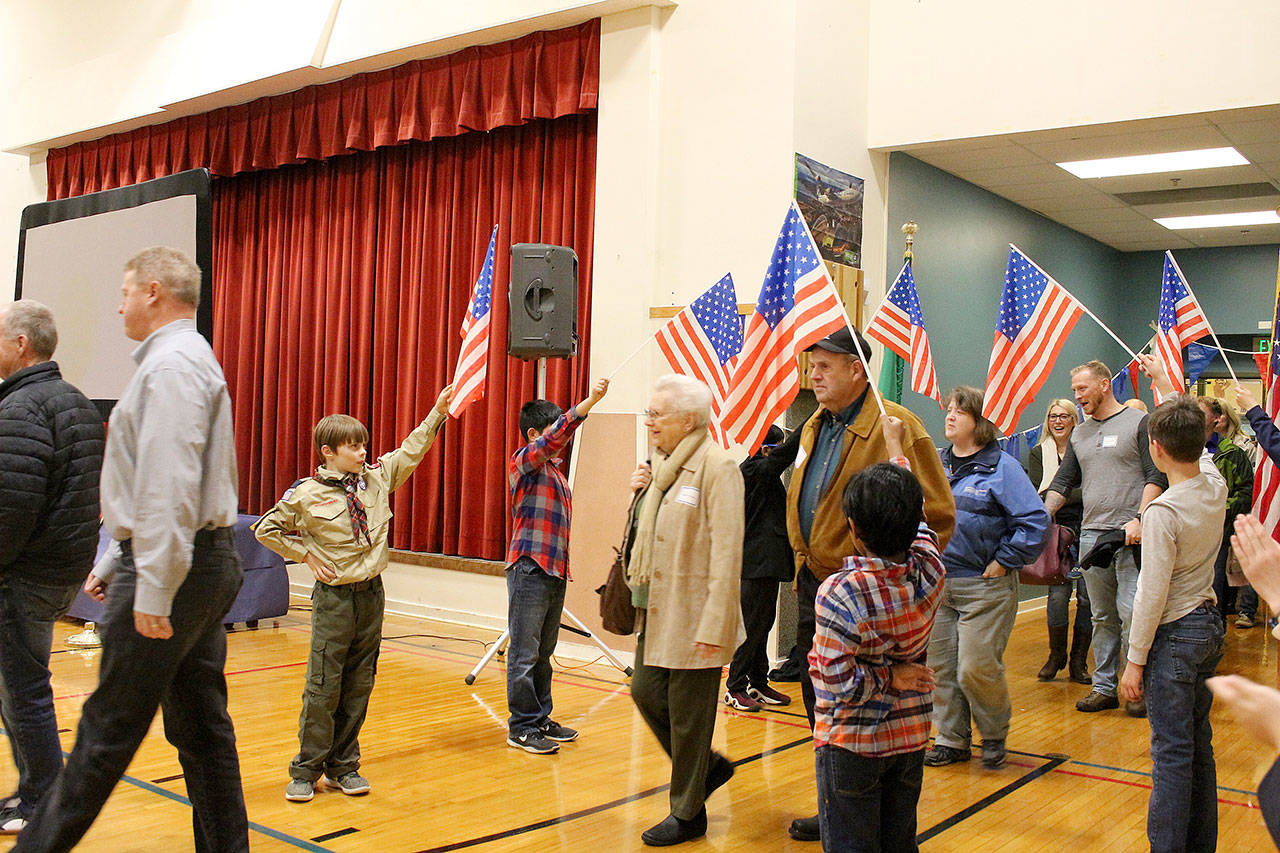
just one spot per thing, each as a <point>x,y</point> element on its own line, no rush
<point>697,564</point>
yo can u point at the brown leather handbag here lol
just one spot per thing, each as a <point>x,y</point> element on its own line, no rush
<point>617,613</point>
<point>1054,562</point>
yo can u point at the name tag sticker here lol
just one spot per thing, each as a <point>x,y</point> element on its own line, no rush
<point>1110,440</point>
<point>801,455</point>
<point>688,495</point>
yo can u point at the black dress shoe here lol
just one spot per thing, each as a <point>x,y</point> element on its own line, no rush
<point>805,829</point>
<point>788,671</point>
<point>673,830</point>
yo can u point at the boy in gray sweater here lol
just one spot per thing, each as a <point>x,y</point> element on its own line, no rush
<point>1175,640</point>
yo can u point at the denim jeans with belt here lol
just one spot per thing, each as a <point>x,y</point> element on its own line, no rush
<point>1111,591</point>
<point>1183,811</point>
<point>27,613</point>
<point>535,601</point>
<point>183,675</point>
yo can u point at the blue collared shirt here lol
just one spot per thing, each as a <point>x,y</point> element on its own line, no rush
<point>824,460</point>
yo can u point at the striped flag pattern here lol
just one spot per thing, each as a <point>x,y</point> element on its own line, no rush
<point>703,341</point>
<point>899,324</point>
<point>1266,482</point>
<point>798,305</point>
<point>1180,321</point>
<point>473,361</point>
<point>1036,315</point>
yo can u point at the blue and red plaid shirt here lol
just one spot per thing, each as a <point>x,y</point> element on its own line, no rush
<point>871,615</point>
<point>540,499</point>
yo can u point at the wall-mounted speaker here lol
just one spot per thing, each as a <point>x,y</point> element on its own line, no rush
<point>543,301</point>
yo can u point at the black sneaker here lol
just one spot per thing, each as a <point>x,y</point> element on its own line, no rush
<point>12,821</point>
<point>940,756</point>
<point>533,742</point>
<point>993,754</point>
<point>558,733</point>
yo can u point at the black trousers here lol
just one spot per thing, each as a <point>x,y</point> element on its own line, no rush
<point>806,626</point>
<point>184,676</point>
<point>750,664</point>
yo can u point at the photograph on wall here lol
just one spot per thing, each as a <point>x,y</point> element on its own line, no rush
<point>831,201</point>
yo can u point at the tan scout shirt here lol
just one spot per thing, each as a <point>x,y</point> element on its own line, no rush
<point>312,516</point>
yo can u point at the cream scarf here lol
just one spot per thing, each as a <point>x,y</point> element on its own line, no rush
<point>665,471</point>
<point>1049,460</point>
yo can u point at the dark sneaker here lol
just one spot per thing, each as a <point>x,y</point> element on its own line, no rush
<point>768,696</point>
<point>941,756</point>
<point>352,784</point>
<point>741,701</point>
<point>719,772</point>
<point>558,733</point>
<point>11,821</point>
<point>1096,701</point>
<point>805,829</point>
<point>1244,620</point>
<point>993,754</point>
<point>299,791</point>
<point>787,671</point>
<point>533,742</point>
<point>1136,709</point>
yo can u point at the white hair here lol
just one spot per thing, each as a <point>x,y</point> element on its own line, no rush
<point>35,320</point>
<point>687,396</point>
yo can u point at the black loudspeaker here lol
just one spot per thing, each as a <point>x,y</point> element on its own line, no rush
<point>543,299</point>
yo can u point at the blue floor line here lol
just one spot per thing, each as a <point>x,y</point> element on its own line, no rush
<point>1148,775</point>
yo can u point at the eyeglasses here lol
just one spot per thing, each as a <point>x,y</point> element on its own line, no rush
<point>1061,416</point>
<point>653,414</point>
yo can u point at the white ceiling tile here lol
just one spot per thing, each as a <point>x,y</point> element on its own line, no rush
<point>1243,133</point>
<point>1260,152</point>
<point>1128,144</point>
<point>980,158</point>
<point>1039,173</point>
<point>1199,208</point>
<point>1223,177</point>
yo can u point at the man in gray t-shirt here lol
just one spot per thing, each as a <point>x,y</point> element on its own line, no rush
<point>1110,459</point>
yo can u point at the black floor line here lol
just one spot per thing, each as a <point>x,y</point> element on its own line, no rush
<point>630,798</point>
<point>166,779</point>
<point>338,833</point>
<point>971,810</point>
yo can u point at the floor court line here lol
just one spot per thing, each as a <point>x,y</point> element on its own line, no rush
<point>994,797</point>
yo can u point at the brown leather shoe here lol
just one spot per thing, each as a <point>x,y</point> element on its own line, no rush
<point>1096,701</point>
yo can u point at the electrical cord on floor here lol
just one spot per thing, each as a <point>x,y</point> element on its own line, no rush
<point>480,643</point>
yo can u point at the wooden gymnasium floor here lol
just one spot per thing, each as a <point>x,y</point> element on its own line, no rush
<point>443,778</point>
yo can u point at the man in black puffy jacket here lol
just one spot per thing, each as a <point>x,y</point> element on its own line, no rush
<point>51,443</point>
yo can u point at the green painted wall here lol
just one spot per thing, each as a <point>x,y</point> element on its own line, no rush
<point>960,256</point>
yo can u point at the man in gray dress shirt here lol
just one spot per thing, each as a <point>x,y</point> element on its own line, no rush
<point>169,502</point>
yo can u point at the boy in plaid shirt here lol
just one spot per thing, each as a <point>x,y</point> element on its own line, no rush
<point>873,694</point>
<point>538,569</point>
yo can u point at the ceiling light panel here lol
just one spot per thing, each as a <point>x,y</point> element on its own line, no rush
<point>1149,164</point>
<point>1221,220</point>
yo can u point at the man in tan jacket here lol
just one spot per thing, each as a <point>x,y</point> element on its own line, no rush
<point>843,437</point>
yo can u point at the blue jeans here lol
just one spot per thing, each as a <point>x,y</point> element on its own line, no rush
<point>1058,606</point>
<point>535,601</point>
<point>183,675</point>
<point>1111,591</point>
<point>27,613</point>
<point>866,804</point>
<point>1183,812</point>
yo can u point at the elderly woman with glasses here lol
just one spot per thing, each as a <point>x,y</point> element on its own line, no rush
<point>683,567</point>
<point>1042,464</point>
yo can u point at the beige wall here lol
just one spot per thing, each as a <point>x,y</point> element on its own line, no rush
<point>948,70</point>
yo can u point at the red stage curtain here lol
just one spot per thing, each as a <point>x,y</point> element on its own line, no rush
<point>542,75</point>
<point>340,278</point>
<point>340,286</point>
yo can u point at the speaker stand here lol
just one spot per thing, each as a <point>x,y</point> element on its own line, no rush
<point>542,378</point>
<point>499,646</point>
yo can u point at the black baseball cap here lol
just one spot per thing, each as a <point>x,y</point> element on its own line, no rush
<point>841,341</point>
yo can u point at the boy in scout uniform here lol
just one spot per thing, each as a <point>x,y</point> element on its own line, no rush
<point>336,522</point>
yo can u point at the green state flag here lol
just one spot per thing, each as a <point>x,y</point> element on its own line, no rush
<point>891,371</point>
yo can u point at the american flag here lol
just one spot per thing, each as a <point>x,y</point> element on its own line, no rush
<point>1266,483</point>
<point>1036,315</point>
<point>703,341</point>
<point>798,305</point>
<point>1181,321</point>
<point>899,324</point>
<point>473,361</point>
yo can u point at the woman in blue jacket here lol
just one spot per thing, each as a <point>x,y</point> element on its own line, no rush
<point>1264,429</point>
<point>1001,525</point>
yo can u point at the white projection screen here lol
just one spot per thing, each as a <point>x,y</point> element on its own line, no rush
<point>71,254</point>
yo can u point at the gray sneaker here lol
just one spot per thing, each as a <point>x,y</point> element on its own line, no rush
<point>352,784</point>
<point>533,742</point>
<point>299,791</point>
<point>558,733</point>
